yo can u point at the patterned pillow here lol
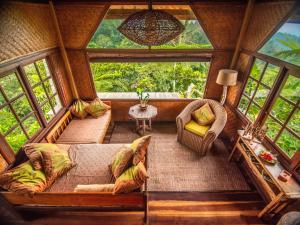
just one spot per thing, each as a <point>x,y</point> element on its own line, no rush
<point>140,147</point>
<point>78,109</point>
<point>97,108</point>
<point>24,180</point>
<point>121,161</point>
<point>56,164</point>
<point>94,188</point>
<point>204,115</point>
<point>34,152</point>
<point>132,179</point>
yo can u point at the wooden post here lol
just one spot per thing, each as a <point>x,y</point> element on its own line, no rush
<point>243,30</point>
<point>64,52</point>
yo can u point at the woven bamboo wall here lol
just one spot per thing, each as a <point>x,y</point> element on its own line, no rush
<point>25,28</point>
<point>78,23</point>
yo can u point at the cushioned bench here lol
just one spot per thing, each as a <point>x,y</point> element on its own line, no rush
<point>71,130</point>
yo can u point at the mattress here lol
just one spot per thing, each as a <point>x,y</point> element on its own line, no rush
<point>91,167</point>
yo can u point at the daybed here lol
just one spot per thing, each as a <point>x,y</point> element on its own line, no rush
<point>92,168</point>
<point>70,130</point>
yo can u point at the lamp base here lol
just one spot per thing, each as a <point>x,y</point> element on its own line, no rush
<point>224,95</point>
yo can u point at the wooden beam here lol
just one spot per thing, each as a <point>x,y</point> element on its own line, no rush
<point>64,52</point>
<point>244,27</point>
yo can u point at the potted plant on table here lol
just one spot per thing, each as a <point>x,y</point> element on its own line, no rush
<point>143,97</point>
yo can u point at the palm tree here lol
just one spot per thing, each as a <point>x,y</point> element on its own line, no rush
<point>292,45</point>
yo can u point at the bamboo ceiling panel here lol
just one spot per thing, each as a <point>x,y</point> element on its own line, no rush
<point>222,22</point>
<point>25,28</point>
<point>265,19</point>
<point>78,23</point>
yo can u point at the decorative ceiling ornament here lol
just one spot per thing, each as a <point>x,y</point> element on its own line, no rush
<point>151,27</point>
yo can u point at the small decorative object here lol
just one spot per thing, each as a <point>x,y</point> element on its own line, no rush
<point>151,27</point>
<point>143,97</point>
<point>284,176</point>
<point>259,132</point>
<point>226,78</point>
<point>267,157</point>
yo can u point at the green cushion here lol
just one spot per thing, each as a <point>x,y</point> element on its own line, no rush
<point>121,161</point>
<point>97,108</point>
<point>78,109</point>
<point>140,147</point>
<point>204,115</point>
<point>195,128</point>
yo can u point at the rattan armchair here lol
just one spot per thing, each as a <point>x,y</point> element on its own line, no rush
<point>200,144</point>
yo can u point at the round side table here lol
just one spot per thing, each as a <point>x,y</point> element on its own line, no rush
<point>142,116</point>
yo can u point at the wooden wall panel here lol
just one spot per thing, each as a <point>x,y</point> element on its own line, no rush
<point>25,28</point>
<point>221,22</point>
<point>82,74</point>
<point>232,125</point>
<point>78,22</point>
<point>266,18</point>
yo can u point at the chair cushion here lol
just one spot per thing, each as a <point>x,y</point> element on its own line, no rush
<point>195,128</point>
<point>78,109</point>
<point>140,147</point>
<point>204,115</point>
<point>88,131</point>
<point>132,179</point>
<point>97,108</point>
<point>102,188</point>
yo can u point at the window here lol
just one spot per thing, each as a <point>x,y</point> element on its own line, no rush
<point>261,79</point>
<point>283,121</point>
<point>187,79</point>
<point>42,85</point>
<point>18,120</point>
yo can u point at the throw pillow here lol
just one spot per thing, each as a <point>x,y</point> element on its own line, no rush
<point>132,179</point>
<point>204,115</point>
<point>140,147</point>
<point>23,179</point>
<point>78,109</point>
<point>34,152</point>
<point>94,188</point>
<point>121,161</point>
<point>97,108</point>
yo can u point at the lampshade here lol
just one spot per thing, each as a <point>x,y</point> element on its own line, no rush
<point>227,77</point>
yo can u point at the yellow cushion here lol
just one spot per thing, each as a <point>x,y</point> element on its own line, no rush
<point>195,128</point>
<point>204,115</point>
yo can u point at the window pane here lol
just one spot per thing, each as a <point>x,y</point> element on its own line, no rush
<point>16,139</point>
<point>56,103</point>
<point>250,87</point>
<point>288,143</point>
<point>2,100</point>
<point>39,93</point>
<point>49,88</point>
<point>48,113</point>
<point>243,104</point>
<point>22,107</point>
<point>257,68</point>
<point>32,74</point>
<point>291,89</point>
<point>7,120</point>
<point>273,128</point>
<point>31,125</point>
<point>11,85</point>
<point>294,122</point>
<point>281,109</point>
<point>43,69</point>
<point>261,95</point>
<point>270,75</point>
<point>253,112</point>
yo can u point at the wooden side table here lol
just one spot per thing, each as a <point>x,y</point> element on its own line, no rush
<point>276,193</point>
<point>142,116</point>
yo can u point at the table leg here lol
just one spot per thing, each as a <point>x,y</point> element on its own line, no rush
<point>144,126</point>
<point>150,125</point>
<point>137,125</point>
<point>233,150</point>
<point>271,206</point>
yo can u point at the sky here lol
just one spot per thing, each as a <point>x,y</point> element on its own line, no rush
<point>292,28</point>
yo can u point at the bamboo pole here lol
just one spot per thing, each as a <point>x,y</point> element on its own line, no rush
<point>64,52</point>
<point>243,30</point>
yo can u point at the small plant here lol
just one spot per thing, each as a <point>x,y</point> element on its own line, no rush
<point>143,96</point>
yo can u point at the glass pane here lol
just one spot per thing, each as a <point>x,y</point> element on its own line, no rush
<point>48,113</point>
<point>257,69</point>
<point>49,88</point>
<point>31,125</point>
<point>288,143</point>
<point>16,139</point>
<point>32,74</point>
<point>253,112</point>
<point>2,100</point>
<point>39,93</point>
<point>7,120</point>
<point>273,128</point>
<point>56,103</point>
<point>281,109</point>
<point>294,122</point>
<point>244,102</point>
<point>250,87</point>
<point>291,89</point>
<point>43,68</point>
<point>261,95</point>
<point>11,85</point>
<point>22,107</point>
<point>270,75</point>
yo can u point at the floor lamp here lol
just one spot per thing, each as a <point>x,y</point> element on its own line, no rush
<point>226,78</point>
